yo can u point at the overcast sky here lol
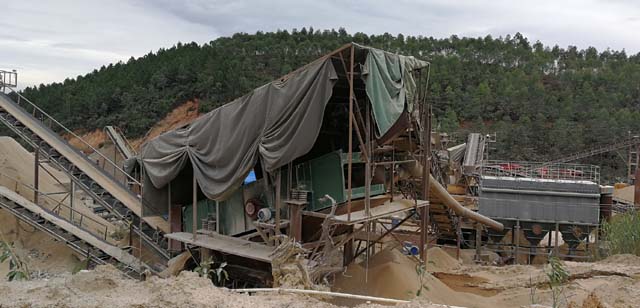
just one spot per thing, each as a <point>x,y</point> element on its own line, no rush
<point>48,41</point>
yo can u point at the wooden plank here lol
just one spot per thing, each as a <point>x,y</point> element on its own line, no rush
<point>384,210</point>
<point>357,205</point>
<point>283,224</point>
<point>226,244</point>
<point>314,214</point>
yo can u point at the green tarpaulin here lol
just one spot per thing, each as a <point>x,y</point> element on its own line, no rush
<point>275,123</point>
<point>390,85</point>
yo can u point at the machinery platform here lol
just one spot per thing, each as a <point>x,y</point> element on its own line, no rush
<point>384,210</point>
<point>226,244</point>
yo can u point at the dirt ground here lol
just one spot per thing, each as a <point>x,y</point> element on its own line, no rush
<point>613,282</point>
<point>106,287</point>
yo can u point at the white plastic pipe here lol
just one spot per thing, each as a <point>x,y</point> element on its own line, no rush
<point>316,292</point>
<point>334,294</point>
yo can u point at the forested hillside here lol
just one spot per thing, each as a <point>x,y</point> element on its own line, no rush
<point>541,101</point>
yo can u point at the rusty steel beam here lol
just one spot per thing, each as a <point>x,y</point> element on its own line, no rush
<point>387,232</point>
<point>426,176</point>
<point>350,158</point>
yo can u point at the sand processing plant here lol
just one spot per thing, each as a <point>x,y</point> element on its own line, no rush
<point>322,167</point>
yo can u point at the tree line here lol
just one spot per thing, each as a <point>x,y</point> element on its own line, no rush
<point>541,101</point>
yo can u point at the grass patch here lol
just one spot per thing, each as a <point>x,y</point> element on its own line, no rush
<point>621,235</point>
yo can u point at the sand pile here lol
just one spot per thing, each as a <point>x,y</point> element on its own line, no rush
<point>390,274</point>
<point>42,255</point>
<point>389,271</point>
<point>17,171</point>
<point>106,287</point>
<point>18,163</point>
<point>17,168</point>
<point>467,256</point>
<point>439,260</point>
<point>393,275</point>
<point>523,253</point>
<point>38,250</point>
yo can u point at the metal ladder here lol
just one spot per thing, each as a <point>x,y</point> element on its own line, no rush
<point>126,207</point>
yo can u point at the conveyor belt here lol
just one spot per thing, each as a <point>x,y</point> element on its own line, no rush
<point>120,142</point>
<point>74,236</point>
<point>106,191</point>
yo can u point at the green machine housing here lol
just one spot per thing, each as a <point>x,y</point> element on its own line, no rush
<point>327,175</point>
<point>323,175</point>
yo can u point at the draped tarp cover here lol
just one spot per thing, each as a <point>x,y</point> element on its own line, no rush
<point>389,85</point>
<point>277,123</point>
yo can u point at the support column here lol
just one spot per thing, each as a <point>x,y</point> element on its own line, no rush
<point>295,218</point>
<point>549,242</point>
<point>194,224</point>
<point>72,195</point>
<point>350,157</point>
<point>606,205</point>
<point>478,242</point>
<point>115,161</point>
<point>426,172</point>
<point>636,184</point>
<point>595,242</point>
<point>367,182</point>
<point>348,250</point>
<point>458,239</point>
<point>278,203</point>
<point>175,221</point>
<point>517,241</point>
<point>36,175</point>
<point>217,217</point>
<point>205,254</point>
<point>555,245</point>
<point>175,225</point>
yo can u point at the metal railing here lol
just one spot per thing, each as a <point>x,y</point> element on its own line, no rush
<point>100,227</point>
<point>8,79</point>
<point>541,170</point>
<point>53,124</point>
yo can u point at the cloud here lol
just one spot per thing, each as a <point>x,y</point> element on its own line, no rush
<point>50,41</point>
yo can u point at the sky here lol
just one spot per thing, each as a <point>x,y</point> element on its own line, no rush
<point>48,41</point>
